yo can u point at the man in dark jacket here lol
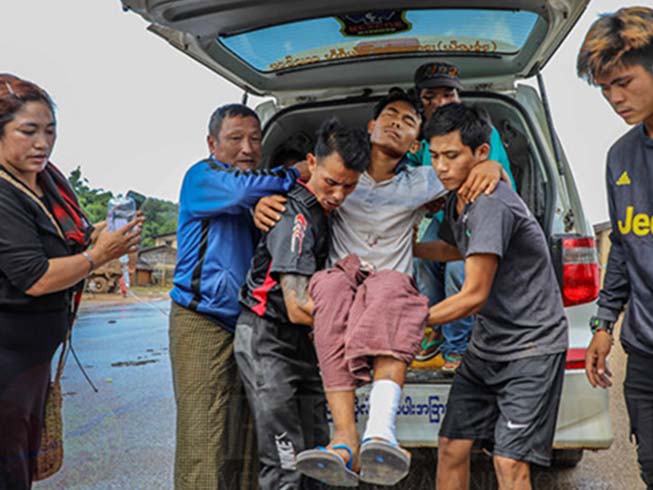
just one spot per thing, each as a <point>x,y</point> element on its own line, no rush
<point>216,240</point>
<point>617,55</point>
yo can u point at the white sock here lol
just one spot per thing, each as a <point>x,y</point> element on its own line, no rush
<point>384,403</point>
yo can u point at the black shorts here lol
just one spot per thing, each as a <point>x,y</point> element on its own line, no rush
<point>513,404</point>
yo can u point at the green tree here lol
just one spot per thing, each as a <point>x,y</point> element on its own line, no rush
<point>161,215</point>
<point>161,218</point>
<point>94,202</point>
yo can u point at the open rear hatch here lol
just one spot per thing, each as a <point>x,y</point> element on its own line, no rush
<point>299,50</point>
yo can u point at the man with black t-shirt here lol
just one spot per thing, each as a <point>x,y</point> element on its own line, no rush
<point>507,388</point>
<point>273,348</point>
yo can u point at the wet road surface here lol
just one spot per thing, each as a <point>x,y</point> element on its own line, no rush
<point>122,437</point>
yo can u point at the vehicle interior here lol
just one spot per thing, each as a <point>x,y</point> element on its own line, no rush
<point>290,134</point>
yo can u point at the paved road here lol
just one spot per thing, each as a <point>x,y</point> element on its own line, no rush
<point>123,436</point>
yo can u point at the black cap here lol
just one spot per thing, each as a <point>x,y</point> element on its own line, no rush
<point>437,74</point>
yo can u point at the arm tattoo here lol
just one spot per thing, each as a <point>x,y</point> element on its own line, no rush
<point>296,285</point>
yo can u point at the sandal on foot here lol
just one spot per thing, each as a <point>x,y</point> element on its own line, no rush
<point>429,349</point>
<point>452,362</point>
<point>383,463</point>
<point>327,466</point>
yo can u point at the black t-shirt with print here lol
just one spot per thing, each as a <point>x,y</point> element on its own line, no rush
<point>523,315</point>
<point>298,244</point>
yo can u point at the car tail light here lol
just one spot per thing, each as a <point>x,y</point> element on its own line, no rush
<point>578,269</point>
<point>575,359</point>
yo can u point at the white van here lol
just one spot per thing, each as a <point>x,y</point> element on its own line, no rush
<point>317,59</point>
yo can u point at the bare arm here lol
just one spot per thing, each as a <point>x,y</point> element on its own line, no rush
<point>299,304</point>
<point>479,276</point>
<point>65,272</point>
<point>438,250</point>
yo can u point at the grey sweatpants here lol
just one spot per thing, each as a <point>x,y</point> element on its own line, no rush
<point>278,366</point>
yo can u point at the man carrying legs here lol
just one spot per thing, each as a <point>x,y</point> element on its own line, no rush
<point>273,348</point>
<point>507,388</point>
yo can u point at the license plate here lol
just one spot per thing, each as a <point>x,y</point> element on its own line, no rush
<point>421,410</point>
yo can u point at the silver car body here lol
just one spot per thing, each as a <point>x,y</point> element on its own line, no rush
<point>311,92</point>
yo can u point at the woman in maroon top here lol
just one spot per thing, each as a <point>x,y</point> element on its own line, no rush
<point>43,262</point>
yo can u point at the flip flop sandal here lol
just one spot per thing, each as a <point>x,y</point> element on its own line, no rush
<point>328,467</point>
<point>383,463</point>
<point>429,349</point>
<point>451,359</point>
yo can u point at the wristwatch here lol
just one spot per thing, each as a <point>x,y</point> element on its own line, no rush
<point>597,323</point>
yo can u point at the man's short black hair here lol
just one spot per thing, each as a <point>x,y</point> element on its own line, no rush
<point>228,110</point>
<point>472,122</point>
<point>353,145</point>
<point>397,94</point>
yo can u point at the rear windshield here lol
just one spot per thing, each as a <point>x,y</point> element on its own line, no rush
<point>383,33</point>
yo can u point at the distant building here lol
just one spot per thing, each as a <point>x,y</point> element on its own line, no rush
<point>158,255</point>
<point>169,239</point>
<point>162,260</point>
<point>143,275</point>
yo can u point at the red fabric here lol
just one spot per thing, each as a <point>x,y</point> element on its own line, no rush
<point>333,291</point>
<point>65,207</point>
<point>68,213</point>
<point>261,293</point>
<point>359,316</point>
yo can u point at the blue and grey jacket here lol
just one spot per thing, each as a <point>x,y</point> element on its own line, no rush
<point>216,235</point>
<point>629,274</point>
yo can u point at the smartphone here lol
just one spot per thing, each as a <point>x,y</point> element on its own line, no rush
<point>138,198</point>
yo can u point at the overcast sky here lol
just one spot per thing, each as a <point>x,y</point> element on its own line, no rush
<point>132,111</point>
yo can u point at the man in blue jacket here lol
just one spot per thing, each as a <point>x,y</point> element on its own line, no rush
<point>617,56</point>
<point>216,240</point>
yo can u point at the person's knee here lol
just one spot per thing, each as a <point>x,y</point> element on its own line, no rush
<point>452,451</point>
<point>276,406</point>
<point>389,368</point>
<point>423,270</point>
<point>430,280</point>
<point>510,468</point>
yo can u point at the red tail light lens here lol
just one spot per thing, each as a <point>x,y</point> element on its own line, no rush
<point>575,359</point>
<point>580,271</point>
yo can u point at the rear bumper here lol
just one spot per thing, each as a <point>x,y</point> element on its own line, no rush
<point>583,417</point>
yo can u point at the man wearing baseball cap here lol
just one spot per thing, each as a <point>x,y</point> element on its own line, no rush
<point>437,84</point>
